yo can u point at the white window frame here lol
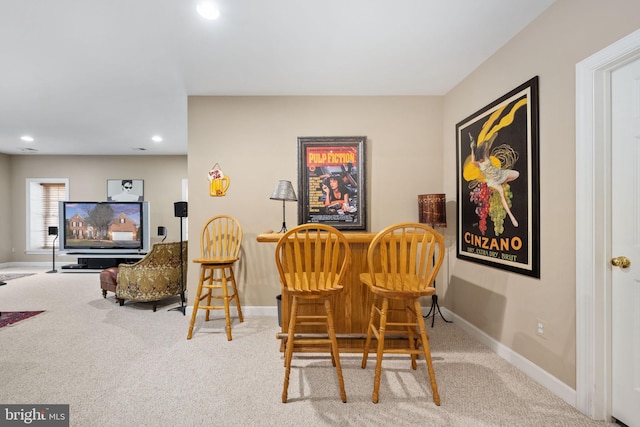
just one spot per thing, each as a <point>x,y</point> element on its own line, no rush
<point>34,203</point>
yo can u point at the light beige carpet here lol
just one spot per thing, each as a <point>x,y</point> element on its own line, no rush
<point>128,366</point>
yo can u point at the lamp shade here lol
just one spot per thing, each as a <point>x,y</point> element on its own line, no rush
<point>432,209</point>
<point>284,191</point>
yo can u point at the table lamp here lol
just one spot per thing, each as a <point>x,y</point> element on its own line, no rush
<point>432,210</point>
<point>284,191</point>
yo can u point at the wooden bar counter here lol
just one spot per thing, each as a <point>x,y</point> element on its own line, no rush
<point>351,307</point>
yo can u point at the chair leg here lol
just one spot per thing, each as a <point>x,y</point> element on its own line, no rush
<point>209,279</point>
<point>334,348</point>
<point>225,294</point>
<point>383,325</point>
<point>104,293</point>
<point>288,350</point>
<point>235,293</point>
<point>411,321</point>
<point>196,303</point>
<point>365,353</point>
<point>427,353</point>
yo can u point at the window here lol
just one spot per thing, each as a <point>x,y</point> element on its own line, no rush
<point>43,196</point>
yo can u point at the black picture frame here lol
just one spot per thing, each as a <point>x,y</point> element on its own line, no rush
<point>338,161</point>
<point>504,136</point>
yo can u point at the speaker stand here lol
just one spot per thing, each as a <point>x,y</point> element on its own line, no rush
<point>53,255</point>
<point>182,298</point>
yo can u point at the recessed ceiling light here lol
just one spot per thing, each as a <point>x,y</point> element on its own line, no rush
<point>208,10</point>
<point>26,138</point>
<point>156,138</point>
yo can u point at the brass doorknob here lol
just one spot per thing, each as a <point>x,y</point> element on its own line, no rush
<point>621,261</point>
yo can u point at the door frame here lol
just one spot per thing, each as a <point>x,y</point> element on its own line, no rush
<point>593,224</point>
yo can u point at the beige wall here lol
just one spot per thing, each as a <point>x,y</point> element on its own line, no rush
<point>507,306</point>
<point>88,176</point>
<point>254,139</point>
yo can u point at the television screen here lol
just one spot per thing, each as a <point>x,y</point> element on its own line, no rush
<point>94,227</point>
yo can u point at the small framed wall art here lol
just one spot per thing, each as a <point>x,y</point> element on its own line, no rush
<point>125,190</point>
<point>331,181</point>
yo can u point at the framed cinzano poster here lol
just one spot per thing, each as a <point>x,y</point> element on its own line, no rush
<point>331,181</point>
<point>498,188</point>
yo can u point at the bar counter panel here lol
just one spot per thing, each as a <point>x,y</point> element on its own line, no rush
<point>351,307</point>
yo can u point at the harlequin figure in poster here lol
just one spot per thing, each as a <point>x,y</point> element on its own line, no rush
<point>494,176</point>
<point>489,172</point>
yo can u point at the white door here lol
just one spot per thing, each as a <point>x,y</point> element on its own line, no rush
<point>625,229</point>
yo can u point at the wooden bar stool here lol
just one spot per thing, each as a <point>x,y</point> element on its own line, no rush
<point>403,262</point>
<point>220,243</point>
<point>312,260</point>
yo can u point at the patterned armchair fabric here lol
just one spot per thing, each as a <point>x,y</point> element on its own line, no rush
<point>154,277</point>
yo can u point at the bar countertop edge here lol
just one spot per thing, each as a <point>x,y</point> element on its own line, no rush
<point>351,236</point>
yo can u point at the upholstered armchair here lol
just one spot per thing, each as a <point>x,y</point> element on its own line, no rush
<point>154,277</point>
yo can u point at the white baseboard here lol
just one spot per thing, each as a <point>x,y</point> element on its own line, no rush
<point>542,377</point>
<point>27,264</point>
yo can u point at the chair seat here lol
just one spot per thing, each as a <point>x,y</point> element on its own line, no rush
<point>216,260</point>
<point>310,285</point>
<point>383,287</point>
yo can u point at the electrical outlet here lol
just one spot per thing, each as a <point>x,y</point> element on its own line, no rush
<point>540,325</point>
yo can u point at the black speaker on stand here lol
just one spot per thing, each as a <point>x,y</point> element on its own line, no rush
<point>180,211</point>
<point>53,231</point>
<point>162,231</point>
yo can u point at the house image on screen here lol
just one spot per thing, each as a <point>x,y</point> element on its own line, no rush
<point>78,227</point>
<point>122,228</point>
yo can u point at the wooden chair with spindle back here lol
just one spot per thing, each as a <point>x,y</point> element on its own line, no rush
<point>220,244</point>
<point>403,261</point>
<point>312,261</point>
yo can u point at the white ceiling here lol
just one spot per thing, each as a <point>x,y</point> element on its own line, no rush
<point>103,76</point>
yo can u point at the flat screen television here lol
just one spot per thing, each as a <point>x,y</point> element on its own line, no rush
<point>104,227</point>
